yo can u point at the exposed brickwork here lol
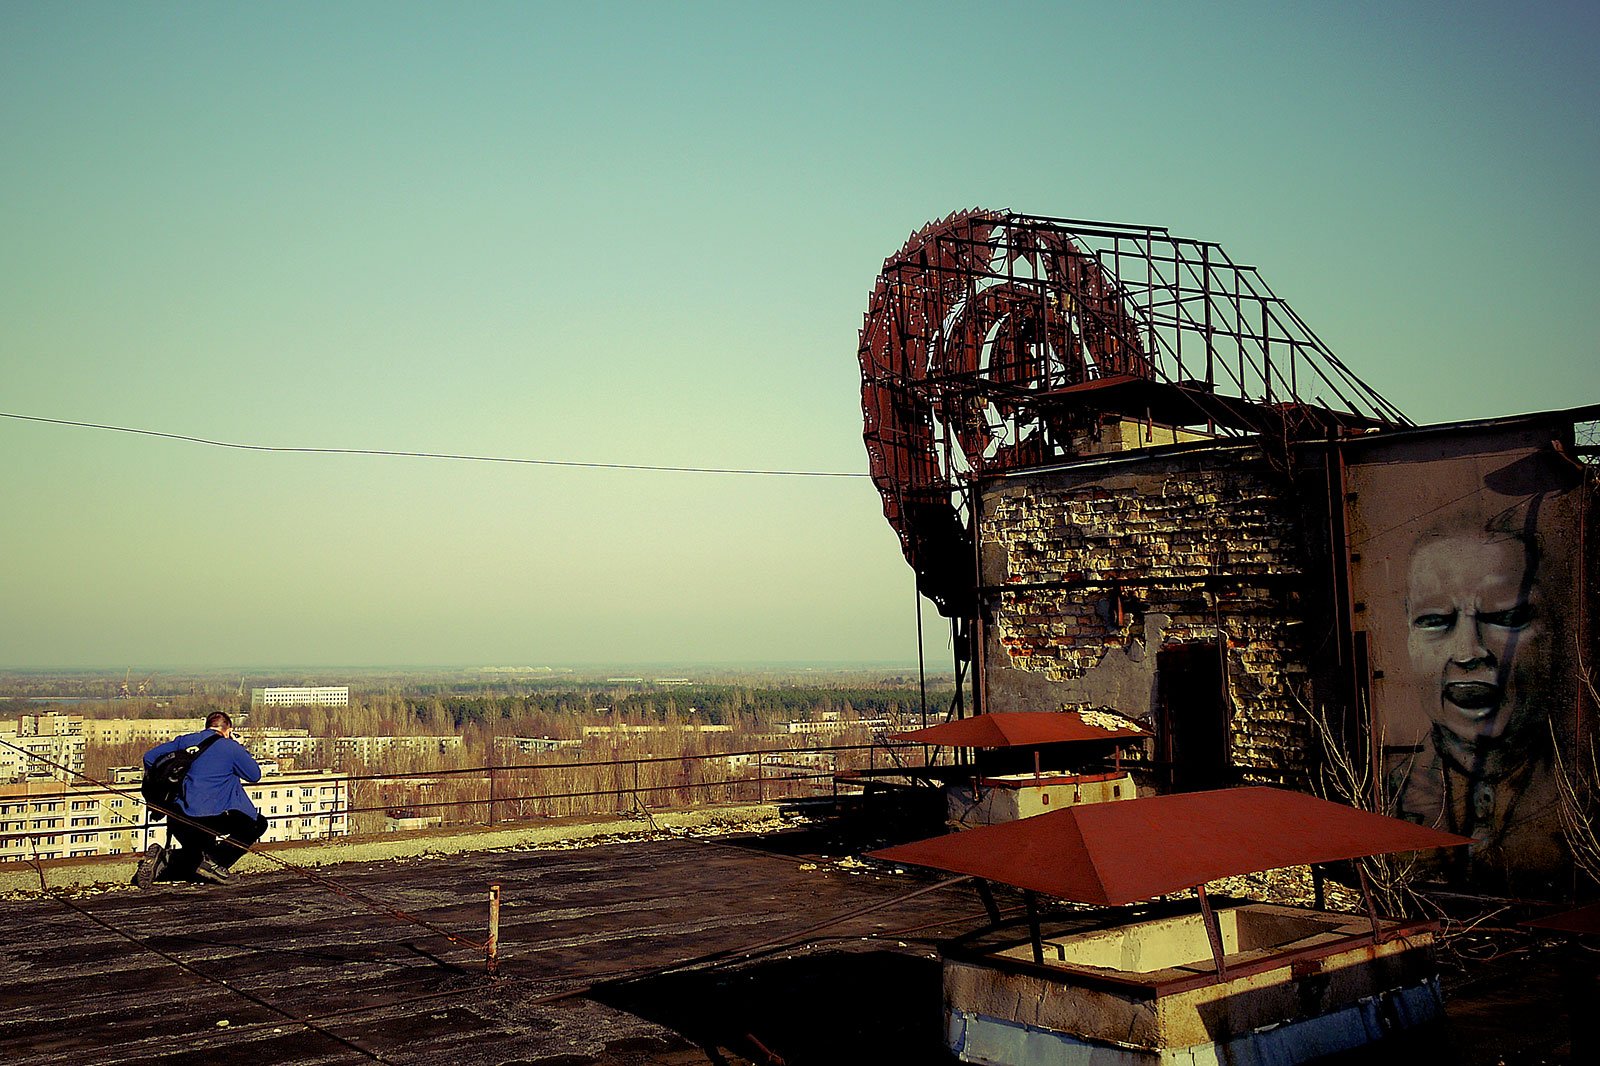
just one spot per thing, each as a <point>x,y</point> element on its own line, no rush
<point>1210,546</point>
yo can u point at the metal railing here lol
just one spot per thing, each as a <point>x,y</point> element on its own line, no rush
<point>491,794</point>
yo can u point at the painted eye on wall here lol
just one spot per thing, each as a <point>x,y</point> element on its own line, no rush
<point>1512,618</point>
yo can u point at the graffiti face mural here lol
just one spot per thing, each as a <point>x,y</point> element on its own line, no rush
<point>1478,649</point>
<point>1476,638</point>
<point>1466,562</point>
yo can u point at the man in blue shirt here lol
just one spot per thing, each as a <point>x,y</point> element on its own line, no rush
<point>218,820</point>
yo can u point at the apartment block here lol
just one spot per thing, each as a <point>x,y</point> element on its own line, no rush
<point>633,730</point>
<point>301,697</point>
<point>282,744</point>
<point>836,725</point>
<point>371,748</point>
<point>150,731</point>
<point>43,819</point>
<point>42,747</point>
<point>302,805</point>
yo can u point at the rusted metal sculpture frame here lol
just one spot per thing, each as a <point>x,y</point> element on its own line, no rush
<point>995,341</point>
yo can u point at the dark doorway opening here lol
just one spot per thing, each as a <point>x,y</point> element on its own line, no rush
<point>1192,708</point>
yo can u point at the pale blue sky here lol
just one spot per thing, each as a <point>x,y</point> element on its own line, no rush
<point>647,233</point>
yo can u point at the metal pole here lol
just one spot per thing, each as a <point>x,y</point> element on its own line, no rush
<point>1366,898</point>
<point>987,898</point>
<point>1031,898</point>
<point>980,695</point>
<point>1213,930</point>
<point>1205,289</point>
<point>922,666</point>
<point>491,963</point>
<point>1266,358</point>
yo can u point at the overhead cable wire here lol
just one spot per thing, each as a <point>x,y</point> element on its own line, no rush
<point>455,456</point>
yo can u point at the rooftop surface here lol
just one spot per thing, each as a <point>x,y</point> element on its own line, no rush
<point>589,939</point>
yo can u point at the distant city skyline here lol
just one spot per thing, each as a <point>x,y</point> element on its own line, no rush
<point>646,234</point>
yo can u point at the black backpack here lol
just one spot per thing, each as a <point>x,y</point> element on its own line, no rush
<point>163,779</point>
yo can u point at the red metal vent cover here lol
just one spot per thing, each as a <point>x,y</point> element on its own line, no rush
<point>1124,852</point>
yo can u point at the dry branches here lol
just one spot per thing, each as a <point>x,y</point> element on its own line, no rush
<point>1577,788</point>
<point>1347,776</point>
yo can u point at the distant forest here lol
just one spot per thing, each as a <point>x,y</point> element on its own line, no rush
<point>556,705</point>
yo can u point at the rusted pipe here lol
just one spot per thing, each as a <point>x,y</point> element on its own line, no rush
<point>773,1058</point>
<point>491,962</point>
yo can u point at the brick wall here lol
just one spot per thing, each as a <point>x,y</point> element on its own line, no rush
<point>1091,571</point>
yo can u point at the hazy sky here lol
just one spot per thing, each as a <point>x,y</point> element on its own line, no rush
<point>647,233</point>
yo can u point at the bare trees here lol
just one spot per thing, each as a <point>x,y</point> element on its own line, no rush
<point>1347,776</point>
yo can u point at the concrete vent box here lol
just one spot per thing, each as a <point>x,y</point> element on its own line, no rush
<point>1297,984</point>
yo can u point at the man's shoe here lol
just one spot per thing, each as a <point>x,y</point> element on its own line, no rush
<point>210,872</point>
<point>150,867</point>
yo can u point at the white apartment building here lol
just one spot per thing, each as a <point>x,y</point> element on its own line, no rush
<point>835,725</point>
<point>265,742</point>
<point>301,697</point>
<point>643,729</point>
<point>376,748</point>
<point>47,820</point>
<point>535,745</point>
<point>810,760</point>
<point>281,744</point>
<point>302,805</point>
<point>42,747</point>
<point>43,819</point>
<point>150,731</point>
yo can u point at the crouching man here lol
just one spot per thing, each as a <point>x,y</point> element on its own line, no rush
<point>218,820</point>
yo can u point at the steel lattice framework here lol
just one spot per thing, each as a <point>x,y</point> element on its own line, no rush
<point>995,341</point>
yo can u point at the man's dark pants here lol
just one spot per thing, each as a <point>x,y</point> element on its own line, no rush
<point>241,828</point>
